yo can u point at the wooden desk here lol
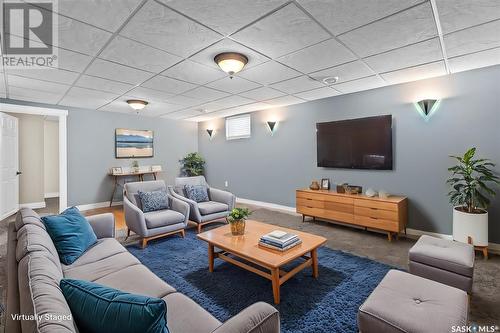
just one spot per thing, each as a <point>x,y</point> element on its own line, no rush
<point>238,250</point>
<point>140,177</point>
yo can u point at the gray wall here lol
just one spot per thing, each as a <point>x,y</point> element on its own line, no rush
<point>91,153</point>
<point>269,168</point>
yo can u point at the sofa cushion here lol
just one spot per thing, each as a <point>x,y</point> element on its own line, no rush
<point>104,248</point>
<point>153,201</point>
<point>162,218</point>
<point>211,207</point>
<point>444,254</point>
<point>184,315</point>
<point>98,308</point>
<point>198,193</point>
<point>137,279</point>
<point>28,216</point>
<point>39,293</point>
<point>71,233</point>
<point>96,270</point>
<point>32,238</point>
<point>433,307</point>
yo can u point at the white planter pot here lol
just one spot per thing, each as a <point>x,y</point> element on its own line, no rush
<point>473,225</point>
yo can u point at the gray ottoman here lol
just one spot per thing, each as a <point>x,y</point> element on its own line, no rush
<point>403,302</point>
<point>444,261</point>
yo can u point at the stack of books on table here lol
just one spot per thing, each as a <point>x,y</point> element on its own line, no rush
<point>279,240</point>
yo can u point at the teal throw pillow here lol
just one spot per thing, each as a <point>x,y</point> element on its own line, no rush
<point>97,308</point>
<point>71,233</point>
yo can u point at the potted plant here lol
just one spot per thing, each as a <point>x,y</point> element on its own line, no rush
<point>469,181</point>
<point>192,165</point>
<point>135,166</point>
<point>237,219</point>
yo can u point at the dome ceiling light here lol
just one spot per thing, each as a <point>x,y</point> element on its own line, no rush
<point>231,62</point>
<point>137,104</point>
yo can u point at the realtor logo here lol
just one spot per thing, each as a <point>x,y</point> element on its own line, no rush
<point>29,34</point>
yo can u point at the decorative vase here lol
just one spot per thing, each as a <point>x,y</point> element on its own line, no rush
<point>237,227</point>
<point>314,185</point>
<point>471,225</point>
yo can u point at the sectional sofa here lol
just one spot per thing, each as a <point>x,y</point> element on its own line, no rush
<point>34,272</point>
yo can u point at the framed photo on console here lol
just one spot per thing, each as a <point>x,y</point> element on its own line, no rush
<point>325,184</point>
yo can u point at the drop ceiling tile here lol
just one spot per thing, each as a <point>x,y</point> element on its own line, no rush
<point>285,100</point>
<point>98,12</point>
<point>205,94</point>
<point>317,93</point>
<point>80,37</point>
<point>184,101</point>
<point>134,54</point>
<point>224,16</point>
<point>149,94</point>
<point>474,39</point>
<point>113,71</point>
<point>182,114</point>
<point>299,84</point>
<point>415,54</point>
<point>322,55</point>
<point>24,94</point>
<point>407,27</point>
<point>339,16</point>
<point>232,101</point>
<point>269,72</point>
<point>87,98</point>
<point>415,73</point>
<point>206,56</point>
<point>259,106</point>
<point>120,105</point>
<point>96,83</point>
<point>38,85</point>
<point>161,27</point>
<point>47,74</point>
<point>475,60</point>
<point>169,85</point>
<point>233,85</point>
<point>458,14</point>
<point>366,83</point>
<point>194,72</point>
<point>347,72</point>
<point>286,30</point>
<point>208,107</point>
<point>262,93</point>
<point>156,109</point>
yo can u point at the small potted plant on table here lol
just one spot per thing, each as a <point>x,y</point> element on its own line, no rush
<point>469,195</point>
<point>237,219</point>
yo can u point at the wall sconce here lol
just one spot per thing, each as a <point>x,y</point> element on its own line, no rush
<point>272,125</point>
<point>427,107</point>
<point>211,133</point>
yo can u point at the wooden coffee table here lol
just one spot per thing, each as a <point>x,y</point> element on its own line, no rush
<point>241,250</point>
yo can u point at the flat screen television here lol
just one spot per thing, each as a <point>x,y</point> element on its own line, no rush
<point>364,143</point>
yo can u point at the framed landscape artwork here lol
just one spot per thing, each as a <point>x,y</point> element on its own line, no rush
<point>131,143</point>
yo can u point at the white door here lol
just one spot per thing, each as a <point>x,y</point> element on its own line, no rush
<point>9,166</point>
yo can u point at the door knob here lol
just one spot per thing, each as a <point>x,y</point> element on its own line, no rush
<point>18,173</point>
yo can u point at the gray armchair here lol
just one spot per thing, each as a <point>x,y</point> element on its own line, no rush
<point>154,224</point>
<point>218,208</point>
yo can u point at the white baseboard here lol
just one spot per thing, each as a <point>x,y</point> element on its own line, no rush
<point>51,195</point>
<point>268,205</point>
<point>411,233</point>
<point>33,205</point>
<point>98,205</point>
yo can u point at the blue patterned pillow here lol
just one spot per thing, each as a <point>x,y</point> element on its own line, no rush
<point>198,193</point>
<point>155,200</point>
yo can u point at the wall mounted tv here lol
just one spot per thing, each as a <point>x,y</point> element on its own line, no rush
<point>364,143</point>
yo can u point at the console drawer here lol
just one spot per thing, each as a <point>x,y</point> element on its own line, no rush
<point>376,204</point>
<point>377,213</point>
<point>310,203</point>
<point>324,197</point>
<point>326,214</point>
<point>376,223</point>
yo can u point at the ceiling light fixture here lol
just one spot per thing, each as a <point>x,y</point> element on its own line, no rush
<point>231,62</point>
<point>137,104</point>
<point>329,80</point>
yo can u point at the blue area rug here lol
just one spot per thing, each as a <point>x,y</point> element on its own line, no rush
<point>327,304</point>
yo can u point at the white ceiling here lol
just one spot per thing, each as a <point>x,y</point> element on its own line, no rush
<point>162,51</point>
